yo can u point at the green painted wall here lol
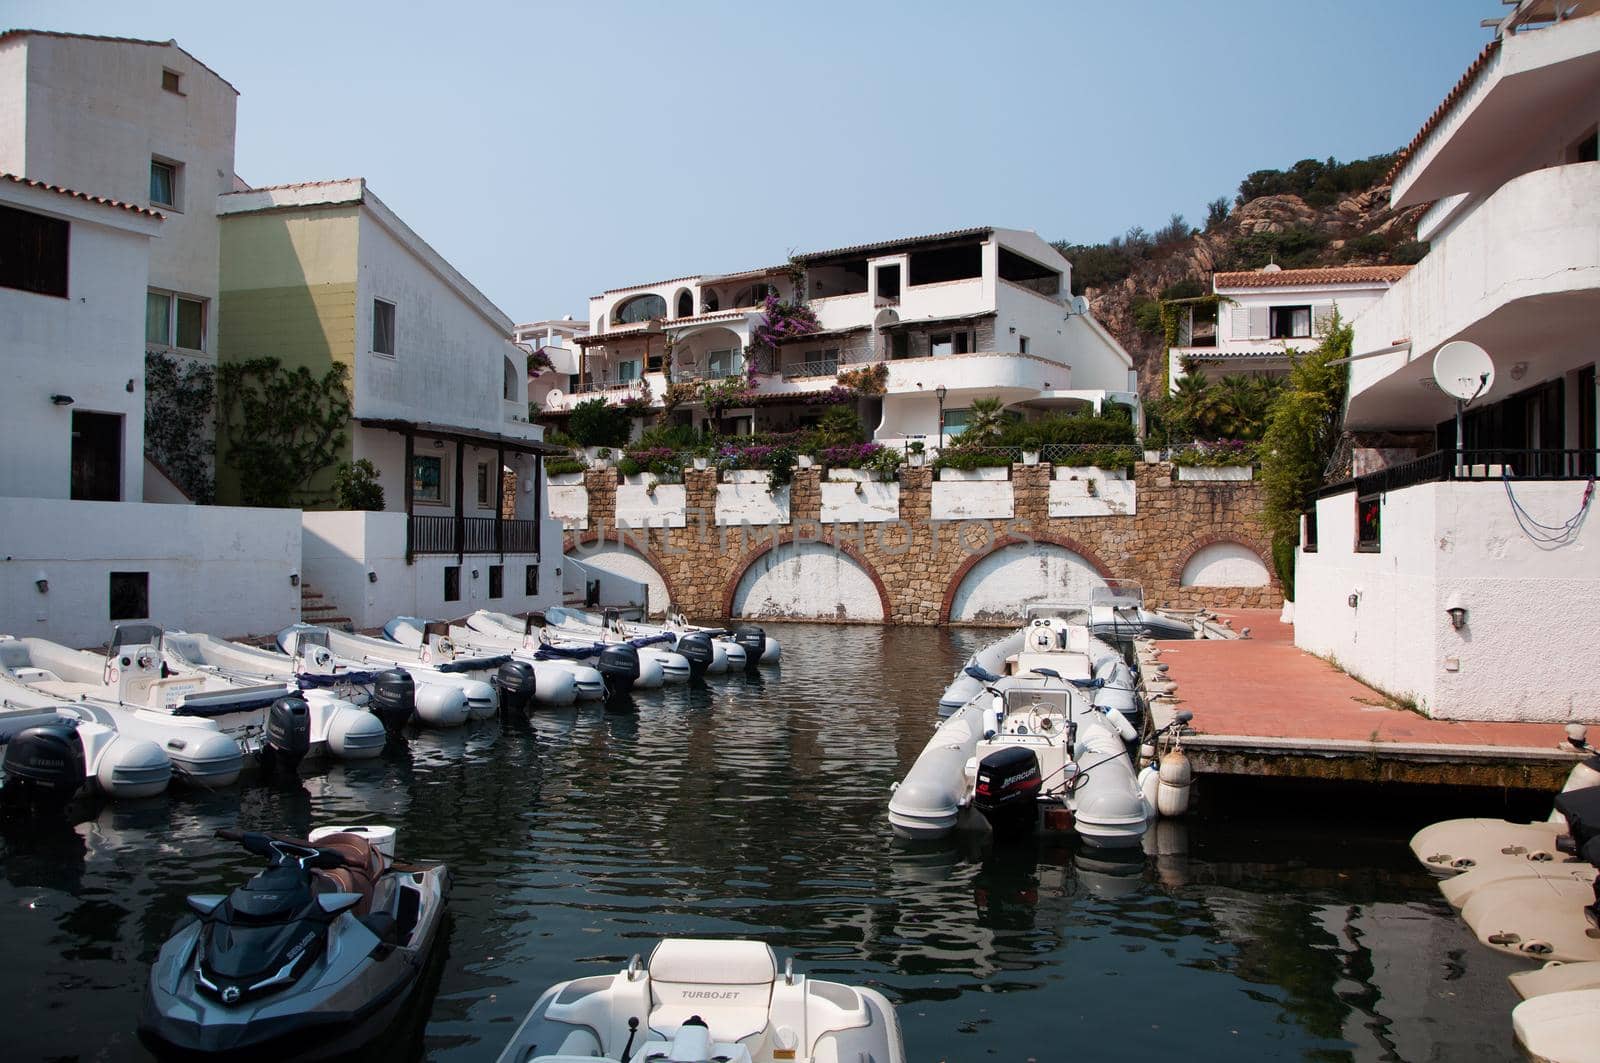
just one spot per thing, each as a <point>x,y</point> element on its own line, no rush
<point>288,291</point>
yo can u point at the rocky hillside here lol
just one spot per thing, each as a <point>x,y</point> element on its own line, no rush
<point>1314,214</point>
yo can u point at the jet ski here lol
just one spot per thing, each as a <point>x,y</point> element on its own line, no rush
<point>311,958</point>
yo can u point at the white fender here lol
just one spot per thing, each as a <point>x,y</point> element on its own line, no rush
<point>1177,776</point>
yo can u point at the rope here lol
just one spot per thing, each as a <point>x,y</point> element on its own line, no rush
<point>1549,536</point>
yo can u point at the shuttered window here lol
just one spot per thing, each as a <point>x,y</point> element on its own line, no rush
<point>33,252</point>
<point>1258,322</point>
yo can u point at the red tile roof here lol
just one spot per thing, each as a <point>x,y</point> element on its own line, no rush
<point>650,284</point>
<point>86,197</point>
<point>12,34</point>
<point>1286,278</point>
<point>1450,100</point>
<point>884,245</point>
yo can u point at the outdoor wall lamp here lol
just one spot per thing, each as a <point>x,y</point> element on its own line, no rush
<point>1354,599</point>
<point>41,582</point>
<point>438,444</point>
<point>1458,617</point>
<point>62,400</point>
<point>372,577</point>
<point>294,579</point>
<point>941,391</point>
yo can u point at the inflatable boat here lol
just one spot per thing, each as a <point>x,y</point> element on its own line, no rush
<point>615,662</point>
<point>54,751</point>
<point>700,1001</point>
<point>364,652</point>
<point>658,665</point>
<point>744,646</point>
<point>1040,739</point>
<point>554,682</point>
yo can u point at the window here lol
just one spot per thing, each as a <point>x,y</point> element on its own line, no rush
<point>1369,524</point>
<point>172,81</point>
<point>452,583</point>
<point>33,252</point>
<point>512,384</point>
<point>708,302</point>
<point>955,421</point>
<point>628,371</point>
<point>685,304</point>
<point>1308,531</point>
<point>530,580</point>
<point>1586,148</point>
<point>172,320</point>
<point>827,358</point>
<point>721,363</point>
<point>130,596</point>
<point>1022,344</point>
<point>382,327</point>
<point>164,183</point>
<point>889,282</point>
<point>639,308</point>
<point>497,581</point>
<point>900,345</point>
<point>572,383</point>
<point>427,478</point>
<point>483,485</point>
<point>96,462</point>
<point>942,343</point>
<point>1291,322</point>
<point>754,295</point>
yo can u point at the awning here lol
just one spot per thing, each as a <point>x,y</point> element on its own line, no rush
<point>830,334</point>
<point>935,322</point>
<point>470,436</point>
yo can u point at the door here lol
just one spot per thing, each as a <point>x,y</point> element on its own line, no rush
<point>1586,421</point>
<point>96,456</point>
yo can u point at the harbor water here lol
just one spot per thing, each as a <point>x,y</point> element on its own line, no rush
<point>755,806</point>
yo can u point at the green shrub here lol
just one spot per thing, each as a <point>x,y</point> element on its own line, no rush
<point>563,466</point>
<point>1217,453</point>
<point>594,423</point>
<point>1303,432</point>
<point>781,468</point>
<point>838,426</point>
<point>1112,426</point>
<point>972,459</point>
<point>355,486</point>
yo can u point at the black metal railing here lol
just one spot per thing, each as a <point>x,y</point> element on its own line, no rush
<point>820,367</point>
<point>472,535</point>
<point>1472,464</point>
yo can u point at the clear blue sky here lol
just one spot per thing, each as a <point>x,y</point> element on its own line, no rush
<point>554,150</point>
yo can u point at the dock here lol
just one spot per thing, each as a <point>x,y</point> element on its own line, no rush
<point>1264,707</point>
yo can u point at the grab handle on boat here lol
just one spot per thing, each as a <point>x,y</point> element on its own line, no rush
<point>633,967</point>
<point>788,971</point>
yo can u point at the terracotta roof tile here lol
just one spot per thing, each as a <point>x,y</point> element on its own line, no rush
<point>1477,67</point>
<point>882,245</point>
<point>134,207</point>
<point>1287,278</point>
<point>648,284</point>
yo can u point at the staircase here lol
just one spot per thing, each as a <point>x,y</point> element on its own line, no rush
<point>315,609</point>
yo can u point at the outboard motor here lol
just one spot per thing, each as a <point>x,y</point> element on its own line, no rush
<point>697,650</point>
<point>514,679</point>
<point>619,667</point>
<point>754,641</point>
<point>394,698</point>
<point>1007,790</point>
<point>44,765</point>
<point>1582,809</point>
<point>288,737</point>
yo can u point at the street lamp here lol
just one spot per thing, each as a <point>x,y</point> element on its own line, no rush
<point>941,391</point>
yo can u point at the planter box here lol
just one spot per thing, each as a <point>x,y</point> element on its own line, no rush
<point>1152,457</point>
<point>989,472</point>
<point>851,476</point>
<point>1087,472</point>
<point>874,503</point>
<point>1214,473</point>
<point>804,461</point>
<point>745,476</point>
<point>566,479</point>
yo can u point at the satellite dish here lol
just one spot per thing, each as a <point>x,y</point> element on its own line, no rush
<point>553,395</point>
<point>1463,370</point>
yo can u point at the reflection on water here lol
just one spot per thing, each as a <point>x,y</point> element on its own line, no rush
<point>756,806</point>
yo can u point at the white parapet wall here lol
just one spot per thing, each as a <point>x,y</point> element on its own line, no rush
<point>1088,491</point>
<point>569,504</point>
<point>218,569</point>
<point>357,561</point>
<point>860,501</point>
<point>638,506</point>
<point>970,498</point>
<point>749,501</point>
<point>1525,650</point>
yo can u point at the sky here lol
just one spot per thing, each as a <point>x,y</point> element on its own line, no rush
<point>553,150</point>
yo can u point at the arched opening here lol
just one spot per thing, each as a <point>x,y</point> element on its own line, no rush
<point>640,308</point>
<point>752,295</point>
<point>709,301</point>
<point>999,586</point>
<point>685,303</point>
<point>807,581</point>
<point>630,564</point>
<point>511,389</point>
<point>1225,564</point>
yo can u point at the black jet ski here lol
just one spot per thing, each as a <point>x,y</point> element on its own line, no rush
<point>310,959</point>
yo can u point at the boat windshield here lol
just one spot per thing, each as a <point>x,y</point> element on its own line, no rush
<point>135,635</point>
<point>1118,594</point>
<point>1072,614</point>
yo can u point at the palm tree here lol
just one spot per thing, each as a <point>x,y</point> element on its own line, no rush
<point>984,421</point>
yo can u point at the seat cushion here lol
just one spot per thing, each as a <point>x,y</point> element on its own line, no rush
<point>713,962</point>
<point>727,983</point>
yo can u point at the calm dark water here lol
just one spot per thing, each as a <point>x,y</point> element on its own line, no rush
<point>1259,930</point>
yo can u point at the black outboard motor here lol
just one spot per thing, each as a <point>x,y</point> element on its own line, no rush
<point>514,680</point>
<point>394,698</point>
<point>1007,791</point>
<point>619,667</point>
<point>697,650</point>
<point>754,641</point>
<point>288,737</point>
<point>1582,809</point>
<point>44,765</point>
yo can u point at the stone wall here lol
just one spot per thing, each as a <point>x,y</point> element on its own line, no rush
<point>918,564</point>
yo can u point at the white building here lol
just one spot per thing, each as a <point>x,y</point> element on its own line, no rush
<point>1263,314</point>
<point>555,355</point>
<point>1468,582</point>
<point>81,549</point>
<point>976,312</point>
<point>325,273</point>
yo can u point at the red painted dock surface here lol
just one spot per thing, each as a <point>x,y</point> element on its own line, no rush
<point>1266,687</point>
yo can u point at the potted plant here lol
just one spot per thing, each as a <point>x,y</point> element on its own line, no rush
<point>806,461</point>
<point>700,462</point>
<point>1030,457</point>
<point>917,453</point>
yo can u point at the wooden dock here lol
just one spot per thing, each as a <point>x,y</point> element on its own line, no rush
<point>1263,707</point>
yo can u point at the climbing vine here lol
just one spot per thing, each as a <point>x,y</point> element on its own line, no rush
<point>281,427</point>
<point>179,430</point>
<point>867,380</point>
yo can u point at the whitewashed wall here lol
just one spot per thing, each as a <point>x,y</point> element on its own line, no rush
<point>752,503</point>
<point>221,570</point>
<point>1526,652</point>
<point>1004,583</point>
<point>629,564</point>
<point>569,503</point>
<point>973,500</point>
<point>807,580</point>
<point>1225,565</point>
<point>861,502</point>
<point>637,507</point>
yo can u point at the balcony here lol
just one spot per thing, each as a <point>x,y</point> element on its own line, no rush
<point>428,534</point>
<point>800,370</point>
<point>1473,464</point>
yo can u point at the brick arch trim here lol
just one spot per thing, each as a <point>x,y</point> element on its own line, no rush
<point>592,537</point>
<point>787,538</point>
<point>1065,542</point>
<point>1253,545</point>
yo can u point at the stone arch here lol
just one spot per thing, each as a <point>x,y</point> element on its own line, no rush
<point>1221,561</point>
<point>1062,569</point>
<point>836,576</point>
<point>625,556</point>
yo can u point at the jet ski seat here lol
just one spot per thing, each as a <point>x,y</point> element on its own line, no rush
<point>363,866</point>
<point>728,984</point>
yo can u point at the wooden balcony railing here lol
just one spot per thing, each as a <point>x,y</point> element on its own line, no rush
<point>472,535</point>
